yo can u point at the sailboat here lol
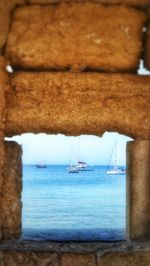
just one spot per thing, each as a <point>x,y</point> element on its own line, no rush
<point>73,169</point>
<point>80,165</point>
<point>115,170</point>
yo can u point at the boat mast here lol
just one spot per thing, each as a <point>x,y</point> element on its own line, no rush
<point>70,158</point>
<point>78,152</point>
<point>115,166</point>
<point>111,159</point>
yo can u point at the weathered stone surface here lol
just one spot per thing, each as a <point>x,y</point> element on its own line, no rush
<point>78,103</point>
<point>16,253</point>
<point>11,193</point>
<point>14,258</point>
<point>147,47</point>
<point>6,7</point>
<point>75,247</point>
<point>126,2</point>
<point>76,35</point>
<point>3,87</point>
<point>3,81</point>
<point>2,156</point>
<point>78,259</point>
<point>139,258</point>
<point>138,189</point>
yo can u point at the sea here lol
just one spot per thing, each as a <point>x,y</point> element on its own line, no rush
<point>62,206</point>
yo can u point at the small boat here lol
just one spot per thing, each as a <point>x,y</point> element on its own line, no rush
<point>41,166</point>
<point>115,170</point>
<point>73,169</point>
<point>79,165</point>
<point>82,166</point>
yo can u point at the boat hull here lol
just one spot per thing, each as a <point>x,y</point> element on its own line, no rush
<point>116,172</point>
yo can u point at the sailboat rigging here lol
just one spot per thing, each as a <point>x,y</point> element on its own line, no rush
<point>115,170</point>
<point>80,165</point>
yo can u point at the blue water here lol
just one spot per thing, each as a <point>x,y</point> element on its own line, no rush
<point>87,206</point>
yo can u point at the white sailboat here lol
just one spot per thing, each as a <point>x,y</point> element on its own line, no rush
<point>115,170</point>
<point>72,169</point>
<point>83,166</point>
<point>80,165</point>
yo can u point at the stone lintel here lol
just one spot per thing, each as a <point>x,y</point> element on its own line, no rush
<point>78,103</point>
<point>138,189</point>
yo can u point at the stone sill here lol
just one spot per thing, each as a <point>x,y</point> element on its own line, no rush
<point>75,247</point>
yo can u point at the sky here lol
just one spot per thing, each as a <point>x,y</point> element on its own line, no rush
<point>59,149</point>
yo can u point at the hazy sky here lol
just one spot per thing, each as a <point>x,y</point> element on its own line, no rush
<point>53,149</point>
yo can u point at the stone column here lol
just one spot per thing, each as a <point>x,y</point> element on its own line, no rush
<point>138,189</point>
<point>3,81</point>
<point>147,44</point>
<point>11,192</point>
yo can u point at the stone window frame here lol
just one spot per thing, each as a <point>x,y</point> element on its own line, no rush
<point>137,154</point>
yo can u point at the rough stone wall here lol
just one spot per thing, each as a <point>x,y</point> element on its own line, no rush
<point>78,103</point>
<point>140,3</point>
<point>3,85</point>
<point>82,36</point>
<point>138,188</point>
<point>11,191</point>
<point>147,43</point>
<point>6,8</point>
<point>100,256</point>
<point>95,102</point>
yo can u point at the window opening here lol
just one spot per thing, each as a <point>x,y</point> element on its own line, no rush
<point>63,205</point>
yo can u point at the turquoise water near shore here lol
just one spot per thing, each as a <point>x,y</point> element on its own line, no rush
<point>88,206</point>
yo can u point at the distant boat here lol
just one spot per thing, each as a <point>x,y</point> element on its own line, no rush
<point>73,169</point>
<point>115,169</point>
<point>82,166</point>
<point>41,166</point>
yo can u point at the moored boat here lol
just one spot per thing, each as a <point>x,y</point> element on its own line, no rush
<point>41,166</point>
<point>115,169</point>
<point>73,170</point>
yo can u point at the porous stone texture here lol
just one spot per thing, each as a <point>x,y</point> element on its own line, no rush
<point>14,258</point>
<point>6,7</point>
<point>76,35</point>
<point>11,192</point>
<point>3,87</point>
<point>125,2</point>
<point>2,155</point>
<point>3,82</point>
<point>124,259</point>
<point>78,103</point>
<point>74,254</point>
<point>147,46</point>
<point>138,189</point>
<point>78,259</point>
